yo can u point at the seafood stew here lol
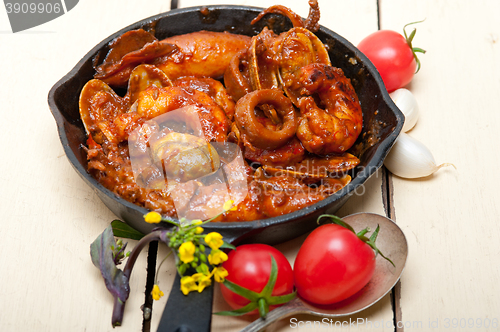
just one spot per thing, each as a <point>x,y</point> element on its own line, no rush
<point>280,101</point>
<point>380,122</point>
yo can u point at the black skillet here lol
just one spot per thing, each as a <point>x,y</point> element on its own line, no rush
<point>382,123</point>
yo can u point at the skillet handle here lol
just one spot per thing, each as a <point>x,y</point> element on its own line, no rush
<point>187,313</point>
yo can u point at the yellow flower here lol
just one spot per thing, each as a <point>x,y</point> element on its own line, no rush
<point>220,274</point>
<point>214,240</point>
<point>156,292</point>
<point>197,221</point>
<point>198,230</point>
<point>197,276</point>
<point>152,217</point>
<point>216,257</point>
<point>186,252</point>
<point>188,284</point>
<point>204,281</point>
<point>228,206</point>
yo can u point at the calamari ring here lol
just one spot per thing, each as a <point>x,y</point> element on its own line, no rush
<point>256,133</point>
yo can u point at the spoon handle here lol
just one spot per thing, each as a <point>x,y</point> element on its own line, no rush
<point>288,309</point>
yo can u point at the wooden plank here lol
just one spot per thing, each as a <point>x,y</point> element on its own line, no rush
<point>352,21</point>
<point>49,215</point>
<point>451,280</point>
<point>165,277</point>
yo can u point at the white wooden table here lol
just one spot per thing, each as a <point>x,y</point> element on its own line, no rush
<point>50,216</point>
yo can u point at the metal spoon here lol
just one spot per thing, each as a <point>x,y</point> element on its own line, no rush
<point>391,241</point>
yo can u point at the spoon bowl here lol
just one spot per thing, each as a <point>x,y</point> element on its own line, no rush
<point>391,241</point>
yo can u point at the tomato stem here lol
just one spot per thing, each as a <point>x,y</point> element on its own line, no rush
<point>260,301</point>
<point>363,232</point>
<point>263,307</point>
<point>409,40</point>
<point>336,220</point>
<point>371,243</point>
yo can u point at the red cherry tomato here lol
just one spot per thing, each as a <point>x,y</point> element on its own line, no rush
<point>332,265</point>
<point>393,56</point>
<point>249,266</point>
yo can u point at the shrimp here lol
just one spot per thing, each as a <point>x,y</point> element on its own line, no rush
<point>334,125</point>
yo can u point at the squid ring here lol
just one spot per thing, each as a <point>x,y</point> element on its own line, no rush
<point>256,133</point>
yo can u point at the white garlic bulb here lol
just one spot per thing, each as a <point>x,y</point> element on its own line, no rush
<point>411,159</point>
<point>407,103</point>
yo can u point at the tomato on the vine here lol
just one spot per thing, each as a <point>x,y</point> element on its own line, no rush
<point>250,266</point>
<point>334,263</point>
<point>393,55</point>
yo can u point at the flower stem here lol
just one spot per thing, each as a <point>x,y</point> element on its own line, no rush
<point>158,269</point>
<point>134,254</point>
<point>118,309</point>
<point>119,306</point>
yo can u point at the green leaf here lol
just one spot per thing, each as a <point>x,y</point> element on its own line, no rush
<point>238,312</point>
<point>363,232</point>
<point>418,49</point>
<point>413,32</point>
<point>275,300</point>
<point>336,220</point>
<point>226,245</point>
<point>268,288</point>
<point>245,292</point>
<point>371,243</point>
<point>409,40</point>
<point>102,257</point>
<point>373,238</point>
<point>386,258</point>
<point>121,229</point>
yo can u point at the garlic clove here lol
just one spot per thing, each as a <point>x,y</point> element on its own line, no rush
<point>406,102</point>
<point>411,159</point>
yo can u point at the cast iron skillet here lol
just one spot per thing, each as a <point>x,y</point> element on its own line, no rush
<point>382,124</point>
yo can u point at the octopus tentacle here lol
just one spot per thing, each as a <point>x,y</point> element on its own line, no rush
<point>279,9</point>
<point>312,21</point>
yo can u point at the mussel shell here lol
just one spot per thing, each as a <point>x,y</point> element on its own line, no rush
<point>97,102</point>
<point>142,77</point>
<point>263,71</point>
<point>299,47</point>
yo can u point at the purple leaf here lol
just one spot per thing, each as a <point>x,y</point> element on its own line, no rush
<point>101,253</point>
